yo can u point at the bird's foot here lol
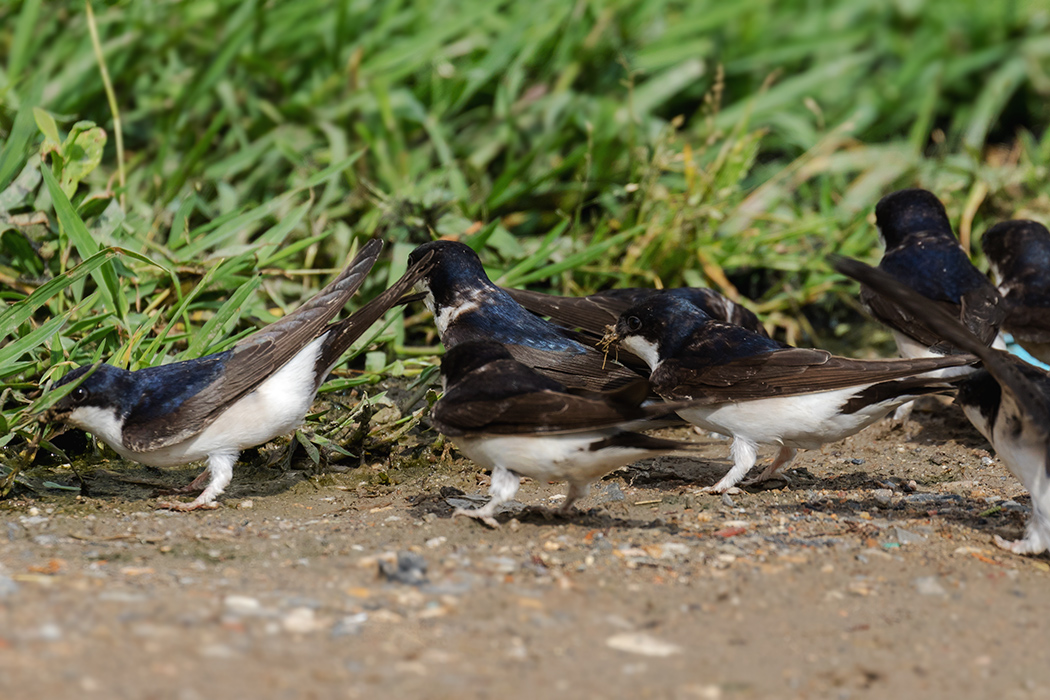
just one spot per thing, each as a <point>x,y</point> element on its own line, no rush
<point>719,489</point>
<point>901,416</point>
<point>186,507</point>
<point>478,514</point>
<point>1025,545</point>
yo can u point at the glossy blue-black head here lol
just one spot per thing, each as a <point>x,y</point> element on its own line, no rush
<point>1019,251</point>
<point>149,393</point>
<point>911,213</point>
<point>456,270</point>
<point>666,325</point>
<point>663,320</point>
<point>468,306</point>
<point>107,387</point>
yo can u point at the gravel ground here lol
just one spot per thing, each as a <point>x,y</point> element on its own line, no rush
<point>871,575</point>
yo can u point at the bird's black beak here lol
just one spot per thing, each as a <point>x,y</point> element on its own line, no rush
<point>409,298</point>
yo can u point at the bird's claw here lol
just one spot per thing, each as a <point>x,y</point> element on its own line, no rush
<point>477,514</point>
<point>1021,546</point>
<point>720,490</point>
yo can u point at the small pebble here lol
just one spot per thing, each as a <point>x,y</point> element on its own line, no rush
<point>217,651</point>
<point>246,504</point>
<point>49,632</point>
<point>349,625</point>
<point>883,496</point>
<point>300,621</point>
<point>242,604</point>
<point>929,585</point>
<point>502,565</point>
<point>642,644</point>
<point>410,568</point>
<point>903,536</point>
<point>611,493</point>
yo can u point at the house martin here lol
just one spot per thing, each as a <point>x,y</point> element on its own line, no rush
<point>751,388</point>
<point>518,422</point>
<point>923,253</point>
<point>1008,400</point>
<point>215,406</point>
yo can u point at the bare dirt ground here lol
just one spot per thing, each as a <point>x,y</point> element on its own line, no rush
<point>850,582</point>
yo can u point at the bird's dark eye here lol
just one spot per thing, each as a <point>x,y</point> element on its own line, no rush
<point>79,395</point>
<point>634,323</point>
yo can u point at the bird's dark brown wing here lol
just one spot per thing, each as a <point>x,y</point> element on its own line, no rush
<point>590,370</point>
<point>983,312</point>
<point>538,412</point>
<point>590,313</point>
<point>981,309</point>
<point>508,398</point>
<point>254,359</point>
<point>892,315</point>
<point>788,372</point>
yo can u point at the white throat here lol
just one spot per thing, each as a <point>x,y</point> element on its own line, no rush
<point>643,348</point>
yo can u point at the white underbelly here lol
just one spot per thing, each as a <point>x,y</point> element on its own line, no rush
<point>275,408</point>
<point>550,457</point>
<point>803,422</point>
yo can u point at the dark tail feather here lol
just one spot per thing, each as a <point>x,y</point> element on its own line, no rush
<point>638,441</point>
<point>903,389</point>
<point>350,329</point>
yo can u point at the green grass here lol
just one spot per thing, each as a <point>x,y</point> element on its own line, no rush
<point>578,145</point>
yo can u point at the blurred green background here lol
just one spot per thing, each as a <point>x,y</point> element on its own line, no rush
<point>238,151</point>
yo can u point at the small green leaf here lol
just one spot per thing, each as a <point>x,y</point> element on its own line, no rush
<point>12,155</point>
<point>311,449</point>
<point>82,152</point>
<point>48,128</point>
<point>63,487</point>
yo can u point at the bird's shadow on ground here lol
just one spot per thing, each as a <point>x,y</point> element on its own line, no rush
<point>971,512</point>
<point>597,518</point>
<point>258,473</point>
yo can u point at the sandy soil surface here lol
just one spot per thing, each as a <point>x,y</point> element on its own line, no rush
<point>872,575</point>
